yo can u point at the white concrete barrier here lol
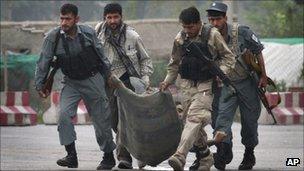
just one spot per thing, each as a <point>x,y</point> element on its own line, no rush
<point>51,116</point>
<point>289,111</point>
<point>15,109</point>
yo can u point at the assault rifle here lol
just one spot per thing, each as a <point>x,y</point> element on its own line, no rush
<point>255,73</point>
<point>195,49</point>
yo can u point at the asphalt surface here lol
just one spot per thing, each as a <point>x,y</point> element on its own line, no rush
<point>37,148</point>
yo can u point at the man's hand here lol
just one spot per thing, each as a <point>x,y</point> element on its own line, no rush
<point>113,82</point>
<point>263,81</point>
<point>163,86</point>
<point>43,94</point>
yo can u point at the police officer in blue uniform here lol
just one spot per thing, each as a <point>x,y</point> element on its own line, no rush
<point>86,69</point>
<point>238,38</point>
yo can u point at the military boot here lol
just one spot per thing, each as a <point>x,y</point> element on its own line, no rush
<point>177,162</point>
<point>195,164</point>
<point>248,160</point>
<point>107,163</point>
<point>228,152</point>
<point>206,161</point>
<point>141,164</point>
<point>125,162</point>
<point>70,160</point>
<point>220,157</point>
<point>224,151</point>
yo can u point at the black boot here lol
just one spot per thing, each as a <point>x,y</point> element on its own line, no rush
<point>196,163</point>
<point>219,157</point>
<point>248,160</point>
<point>107,163</point>
<point>228,152</point>
<point>125,161</point>
<point>200,152</point>
<point>70,160</point>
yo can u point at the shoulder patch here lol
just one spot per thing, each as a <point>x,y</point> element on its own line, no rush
<point>253,37</point>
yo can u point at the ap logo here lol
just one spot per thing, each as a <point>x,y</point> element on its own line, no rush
<point>292,161</point>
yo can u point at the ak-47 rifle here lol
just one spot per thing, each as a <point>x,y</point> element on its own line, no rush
<point>195,49</point>
<point>255,73</point>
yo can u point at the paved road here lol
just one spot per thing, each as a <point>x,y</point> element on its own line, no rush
<point>37,148</point>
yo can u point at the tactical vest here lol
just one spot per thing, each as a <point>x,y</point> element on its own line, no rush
<point>192,67</point>
<point>82,66</point>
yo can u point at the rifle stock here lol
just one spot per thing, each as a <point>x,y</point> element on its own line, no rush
<point>47,87</point>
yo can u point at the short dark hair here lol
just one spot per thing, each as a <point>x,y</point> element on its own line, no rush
<point>190,16</point>
<point>112,8</point>
<point>69,8</point>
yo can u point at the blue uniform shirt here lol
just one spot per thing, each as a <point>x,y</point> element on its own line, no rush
<point>47,51</point>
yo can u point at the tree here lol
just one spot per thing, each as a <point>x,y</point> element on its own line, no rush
<point>277,18</point>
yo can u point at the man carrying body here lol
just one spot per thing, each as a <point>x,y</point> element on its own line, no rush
<point>127,54</point>
<point>85,69</point>
<point>238,39</point>
<point>196,86</point>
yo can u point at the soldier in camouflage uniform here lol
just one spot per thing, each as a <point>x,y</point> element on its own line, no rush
<point>196,91</point>
<point>113,29</point>
<point>238,39</point>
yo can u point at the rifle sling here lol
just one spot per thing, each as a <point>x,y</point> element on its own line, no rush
<point>55,62</point>
<point>124,58</point>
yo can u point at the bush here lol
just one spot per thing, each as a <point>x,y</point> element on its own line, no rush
<point>160,71</point>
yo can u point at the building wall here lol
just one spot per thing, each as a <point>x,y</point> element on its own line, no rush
<point>157,35</point>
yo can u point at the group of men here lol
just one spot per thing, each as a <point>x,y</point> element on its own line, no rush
<point>89,59</point>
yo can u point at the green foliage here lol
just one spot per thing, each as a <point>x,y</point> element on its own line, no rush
<point>160,71</point>
<point>20,71</point>
<point>277,18</point>
<point>281,86</point>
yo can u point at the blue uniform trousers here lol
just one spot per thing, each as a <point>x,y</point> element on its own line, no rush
<point>224,111</point>
<point>92,91</point>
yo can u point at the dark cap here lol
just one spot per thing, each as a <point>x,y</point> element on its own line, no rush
<point>218,6</point>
